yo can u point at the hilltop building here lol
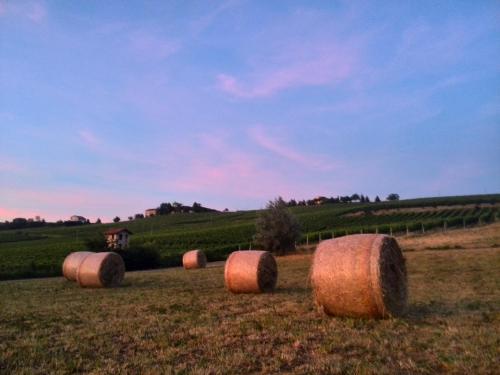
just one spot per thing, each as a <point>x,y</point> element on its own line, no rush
<point>79,219</point>
<point>117,238</point>
<point>150,212</point>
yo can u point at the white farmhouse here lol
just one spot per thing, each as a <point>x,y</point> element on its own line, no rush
<point>79,219</point>
<point>150,212</point>
<point>117,238</point>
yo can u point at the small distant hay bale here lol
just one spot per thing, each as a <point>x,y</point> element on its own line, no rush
<point>362,275</point>
<point>194,259</point>
<point>101,270</point>
<point>72,262</point>
<point>251,271</point>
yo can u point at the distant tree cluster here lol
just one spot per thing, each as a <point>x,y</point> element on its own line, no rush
<point>393,197</point>
<point>23,223</point>
<point>176,207</point>
<point>354,198</point>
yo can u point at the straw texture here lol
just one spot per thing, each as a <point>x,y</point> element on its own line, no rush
<point>363,275</point>
<point>72,262</point>
<point>251,271</point>
<point>101,270</point>
<point>194,259</point>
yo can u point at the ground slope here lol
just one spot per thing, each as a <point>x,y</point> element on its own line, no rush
<point>185,322</point>
<point>41,251</point>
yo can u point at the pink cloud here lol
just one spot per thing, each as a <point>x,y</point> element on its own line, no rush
<point>206,20</point>
<point>220,171</point>
<point>9,214</point>
<point>60,203</point>
<point>88,138</point>
<point>10,165</point>
<point>271,144</point>
<point>316,66</point>
<point>35,11</point>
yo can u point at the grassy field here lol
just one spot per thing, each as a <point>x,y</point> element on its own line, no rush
<point>40,251</point>
<point>175,321</point>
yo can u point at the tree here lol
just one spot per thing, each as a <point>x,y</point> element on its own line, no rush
<point>392,197</point>
<point>196,207</point>
<point>139,216</point>
<point>116,219</point>
<point>165,209</point>
<point>97,243</point>
<point>377,199</point>
<point>130,218</point>
<point>98,221</point>
<point>276,228</point>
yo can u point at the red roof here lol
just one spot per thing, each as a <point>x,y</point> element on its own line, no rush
<point>117,231</point>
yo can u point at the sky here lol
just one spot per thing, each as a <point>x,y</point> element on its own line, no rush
<point>110,108</point>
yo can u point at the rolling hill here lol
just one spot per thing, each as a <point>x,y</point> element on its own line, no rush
<point>39,252</point>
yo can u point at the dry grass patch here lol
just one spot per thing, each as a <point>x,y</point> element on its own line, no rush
<point>186,322</point>
<point>473,238</point>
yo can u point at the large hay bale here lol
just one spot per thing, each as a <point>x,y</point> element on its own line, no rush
<point>101,270</point>
<point>72,262</point>
<point>251,271</point>
<point>194,259</point>
<point>363,275</point>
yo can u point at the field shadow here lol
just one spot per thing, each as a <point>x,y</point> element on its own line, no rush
<point>436,309</point>
<point>432,309</point>
<point>292,290</point>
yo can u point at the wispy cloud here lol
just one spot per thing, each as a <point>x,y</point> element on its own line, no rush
<point>317,62</point>
<point>264,140</point>
<point>35,11</point>
<point>88,138</point>
<point>201,23</point>
<point>223,171</point>
<point>10,165</point>
<point>327,69</point>
<point>54,203</point>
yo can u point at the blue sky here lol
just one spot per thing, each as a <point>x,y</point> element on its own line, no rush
<point>109,108</point>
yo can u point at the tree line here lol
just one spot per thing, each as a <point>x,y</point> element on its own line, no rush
<point>354,198</point>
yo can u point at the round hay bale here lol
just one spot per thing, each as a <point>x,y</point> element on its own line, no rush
<point>362,275</point>
<point>251,271</point>
<point>194,259</point>
<point>72,262</point>
<point>101,270</point>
